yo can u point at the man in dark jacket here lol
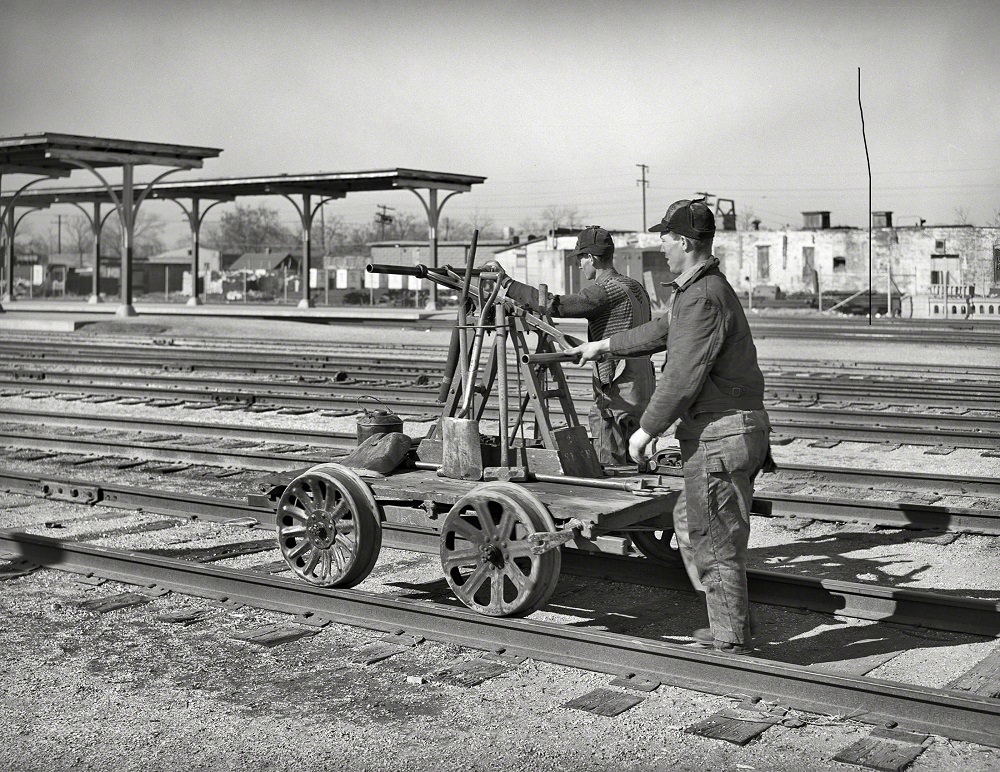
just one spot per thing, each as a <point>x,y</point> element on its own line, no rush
<point>713,384</point>
<point>612,303</point>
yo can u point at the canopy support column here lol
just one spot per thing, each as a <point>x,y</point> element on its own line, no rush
<point>307,215</point>
<point>8,256</point>
<point>433,210</point>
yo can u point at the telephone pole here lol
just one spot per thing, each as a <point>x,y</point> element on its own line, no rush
<point>382,219</point>
<point>705,196</point>
<point>643,184</point>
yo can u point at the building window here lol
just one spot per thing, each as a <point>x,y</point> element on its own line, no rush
<point>991,309</point>
<point>954,310</point>
<point>840,265</point>
<point>996,263</point>
<point>808,262</point>
<point>937,309</point>
<point>763,262</point>
<point>940,246</point>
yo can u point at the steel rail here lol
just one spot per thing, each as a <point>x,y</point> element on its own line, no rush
<point>937,483</point>
<point>321,358</point>
<point>213,430</point>
<point>897,514</point>
<point>344,375</point>
<point>128,449</point>
<point>954,715</point>
<point>851,599</point>
<point>787,374</point>
<point>807,422</point>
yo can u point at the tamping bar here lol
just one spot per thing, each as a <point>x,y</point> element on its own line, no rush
<point>549,357</point>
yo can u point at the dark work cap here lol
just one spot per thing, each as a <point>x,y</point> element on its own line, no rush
<point>593,240</point>
<point>687,218</point>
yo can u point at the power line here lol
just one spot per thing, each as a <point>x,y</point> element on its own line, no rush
<point>382,218</point>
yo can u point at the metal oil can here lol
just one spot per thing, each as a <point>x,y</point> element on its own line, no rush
<point>379,420</point>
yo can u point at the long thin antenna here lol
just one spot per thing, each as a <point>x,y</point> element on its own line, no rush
<point>868,160</point>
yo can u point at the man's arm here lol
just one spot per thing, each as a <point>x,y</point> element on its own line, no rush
<point>589,302</point>
<point>691,354</point>
<point>644,340</point>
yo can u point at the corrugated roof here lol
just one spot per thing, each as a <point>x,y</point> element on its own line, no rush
<point>261,261</point>
<point>182,255</point>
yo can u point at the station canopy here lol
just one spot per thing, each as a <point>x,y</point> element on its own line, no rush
<point>56,155</point>
<point>322,184</point>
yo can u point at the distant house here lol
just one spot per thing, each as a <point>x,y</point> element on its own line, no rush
<point>208,259</point>
<point>345,271</point>
<point>410,253</point>
<point>546,260</point>
<point>166,271</point>
<point>265,262</point>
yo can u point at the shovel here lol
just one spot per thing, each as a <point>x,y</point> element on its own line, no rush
<point>461,448</point>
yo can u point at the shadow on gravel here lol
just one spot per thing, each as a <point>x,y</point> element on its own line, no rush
<point>784,634</point>
<point>828,556</point>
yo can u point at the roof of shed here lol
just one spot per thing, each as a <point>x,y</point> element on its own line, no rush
<point>256,261</point>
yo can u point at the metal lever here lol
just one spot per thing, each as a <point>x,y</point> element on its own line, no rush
<point>541,542</point>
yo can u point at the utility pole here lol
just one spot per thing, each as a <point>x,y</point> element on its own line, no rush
<point>706,196</point>
<point>59,234</point>
<point>643,184</point>
<point>382,219</point>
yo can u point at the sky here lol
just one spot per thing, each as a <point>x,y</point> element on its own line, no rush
<point>555,103</point>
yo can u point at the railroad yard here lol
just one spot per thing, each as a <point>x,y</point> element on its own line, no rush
<point>152,622</point>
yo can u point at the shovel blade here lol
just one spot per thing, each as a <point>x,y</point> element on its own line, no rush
<point>462,452</point>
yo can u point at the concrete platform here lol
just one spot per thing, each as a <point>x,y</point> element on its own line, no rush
<point>37,323</point>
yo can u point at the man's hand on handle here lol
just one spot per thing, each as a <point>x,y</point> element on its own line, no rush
<point>640,447</point>
<point>594,351</point>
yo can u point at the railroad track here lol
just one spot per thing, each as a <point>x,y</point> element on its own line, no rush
<point>816,420</point>
<point>962,332</point>
<point>95,438</point>
<point>970,386</point>
<point>958,715</point>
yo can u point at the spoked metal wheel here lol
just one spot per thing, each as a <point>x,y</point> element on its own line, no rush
<point>656,545</point>
<point>486,556</point>
<point>328,525</point>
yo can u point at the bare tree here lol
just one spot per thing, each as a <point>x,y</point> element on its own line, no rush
<point>552,216</point>
<point>461,230</point>
<point>250,229</point>
<point>80,235</point>
<point>961,215</point>
<point>147,235</point>
<point>747,218</point>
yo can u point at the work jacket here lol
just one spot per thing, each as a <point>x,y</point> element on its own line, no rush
<point>711,358</point>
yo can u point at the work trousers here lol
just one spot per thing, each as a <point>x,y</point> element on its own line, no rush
<point>712,519</point>
<point>616,411</point>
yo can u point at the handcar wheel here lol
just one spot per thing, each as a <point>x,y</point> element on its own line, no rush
<point>486,556</point>
<point>328,526</point>
<point>656,545</point>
